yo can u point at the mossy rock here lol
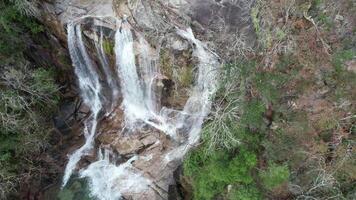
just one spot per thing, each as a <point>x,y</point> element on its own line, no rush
<point>108,47</point>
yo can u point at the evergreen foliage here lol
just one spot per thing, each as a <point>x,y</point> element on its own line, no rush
<point>274,176</point>
<point>229,155</point>
<point>28,97</point>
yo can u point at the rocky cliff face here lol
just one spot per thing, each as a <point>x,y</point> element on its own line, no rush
<point>224,25</point>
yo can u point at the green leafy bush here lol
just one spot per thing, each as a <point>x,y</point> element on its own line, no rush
<point>211,173</point>
<point>340,57</point>
<point>28,97</point>
<point>341,79</point>
<point>253,113</point>
<point>44,84</point>
<point>274,176</point>
<point>13,27</point>
<point>245,192</point>
<point>231,139</point>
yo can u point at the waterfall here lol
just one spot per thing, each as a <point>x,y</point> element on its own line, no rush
<point>140,103</point>
<point>89,91</point>
<point>150,73</point>
<point>133,97</point>
<point>198,105</point>
<point>109,181</point>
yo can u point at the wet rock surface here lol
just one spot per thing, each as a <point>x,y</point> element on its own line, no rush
<point>223,25</point>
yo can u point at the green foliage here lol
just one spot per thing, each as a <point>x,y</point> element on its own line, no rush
<point>43,83</point>
<point>245,192</point>
<point>231,139</point>
<point>281,35</point>
<point>274,176</point>
<point>325,20</point>
<point>317,3</point>
<point>259,19</point>
<point>211,173</point>
<point>222,131</point>
<point>341,57</point>
<point>27,98</point>
<point>253,114</point>
<point>25,7</point>
<point>342,80</point>
<point>186,76</point>
<point>269,85</point>
<point>288,136</point>
<point>166,63</point>
<point>255,19</point>
<point>318,12</point>
<point>108,47</point>
<point>13,25</point>
<point>12,43</point>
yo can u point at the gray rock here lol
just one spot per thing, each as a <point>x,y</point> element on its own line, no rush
<point>339,18</point>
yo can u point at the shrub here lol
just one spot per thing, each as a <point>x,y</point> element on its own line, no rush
<point>340,57</point>
<point>25,7</point>
<point>44,85</point>
<point>342,81</point>
<point>253,114</point>
<point>27,100</point>
<point>274,176</point>
<point>245,192</point>
<point>13,26</point>
<point>211,173</point>
<point>224,128</point>
<point>230,139</point>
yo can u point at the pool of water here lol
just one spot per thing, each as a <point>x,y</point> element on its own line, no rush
<point>76,189</point>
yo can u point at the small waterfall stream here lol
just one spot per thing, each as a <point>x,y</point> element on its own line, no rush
<point>198,105</point>
<point>132,90</point>
<point>150,73</point>
<point>108,180</point>
<point>141,106</point>
<point>90,89</point>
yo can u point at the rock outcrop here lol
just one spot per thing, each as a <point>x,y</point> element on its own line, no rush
<point>223,25</point>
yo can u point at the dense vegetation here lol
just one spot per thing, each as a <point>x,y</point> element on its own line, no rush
<point>283,125</point>
<point>28,97</point>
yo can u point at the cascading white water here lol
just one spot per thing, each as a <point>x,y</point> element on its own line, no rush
<point>140,104</point>
<point>133,97</point>
<point>198,105</point>
<point>149,73</point>
<point>139,101</point>
<point>108,181</point>
<point>89,91</point>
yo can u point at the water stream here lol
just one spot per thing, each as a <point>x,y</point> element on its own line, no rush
<point>134,101</point>
<point>140,103</point>
<point>90,89</point>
